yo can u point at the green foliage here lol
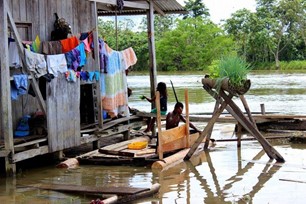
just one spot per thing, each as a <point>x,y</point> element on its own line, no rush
<point>192,45</point>
<point>290,65</point>
<point>232,67</point>
<point>196,9</point>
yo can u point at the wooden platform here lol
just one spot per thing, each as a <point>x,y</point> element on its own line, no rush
<point>89,189</point>
<point>120,154</point>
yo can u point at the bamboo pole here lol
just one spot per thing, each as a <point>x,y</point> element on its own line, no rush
<point>187,118</point>
<point>158,122</point>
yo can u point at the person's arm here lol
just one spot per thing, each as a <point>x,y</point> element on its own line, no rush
<point>190,124</point>
<point>150,99</point>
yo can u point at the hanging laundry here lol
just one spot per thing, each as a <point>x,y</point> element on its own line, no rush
<point>103,55</point>
<point>69,44</point>
<point>129,57</point>
<point>86,38</point>
<point>36,44</point>
<point>51,47</point>
<point>76,58</point>
<point>36,63</point>
<point>14,58</point>
<point>84,75</point>
<point>56,63</point>
<point>114,86</point>
<point>19,85</point>
<point>71,75</point>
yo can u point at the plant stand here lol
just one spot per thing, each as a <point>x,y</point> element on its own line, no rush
<point>226,102</point>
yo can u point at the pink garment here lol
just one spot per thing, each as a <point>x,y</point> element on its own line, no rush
<point>87,46</point>
<point>129,57</point>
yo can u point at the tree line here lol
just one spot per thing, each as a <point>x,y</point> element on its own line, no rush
<point>272,37</point>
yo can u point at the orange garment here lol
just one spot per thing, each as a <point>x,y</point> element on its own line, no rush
<point>69,44</point>
<point>129,57</point>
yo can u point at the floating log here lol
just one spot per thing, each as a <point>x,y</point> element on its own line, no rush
<point>173,159</point>
<point>69,163</point>
<point>127,199</point>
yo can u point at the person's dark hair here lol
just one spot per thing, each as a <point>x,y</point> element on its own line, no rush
<point>178,105</point>
<point>162,88</point>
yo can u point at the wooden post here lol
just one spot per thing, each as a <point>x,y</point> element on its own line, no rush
<point>5,96</point>
<point>158,121</point>
<point>151,43</point>
<point>97,60</point>
<point>187,118</point>
<point>239,116</point>
<point>206,130</point>
<point>262,108</point>
<point>210,131</point>
<point>247,109</point>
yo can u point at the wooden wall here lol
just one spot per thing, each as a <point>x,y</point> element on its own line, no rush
<point>36,17</point>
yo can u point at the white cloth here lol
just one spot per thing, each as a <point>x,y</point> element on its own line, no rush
<point>14,59</point>
<point>57,63</point>
<point>35,63</point>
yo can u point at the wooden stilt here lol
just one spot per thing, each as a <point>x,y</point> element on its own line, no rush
<point>6,125</point>
<point>206,130</point>
<point>239,116</point>
<point>158,122</point>
<point>210,131</point>
<point>247,109</point>
<point>187,118</point>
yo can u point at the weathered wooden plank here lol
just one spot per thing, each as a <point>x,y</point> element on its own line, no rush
<point>5,96</point>
<point>30,153</point>
<point>4,153</point>
<point>90,189</point>
<point>63,105</point>
<point>30,143</point>
<point>125,143</point>
<point>187,118</point>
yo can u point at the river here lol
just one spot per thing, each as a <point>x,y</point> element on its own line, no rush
<point>224,174</point>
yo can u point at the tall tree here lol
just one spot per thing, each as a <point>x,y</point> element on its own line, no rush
<point>239,25</point>
<point>195,9</point>
<point>275,22</point>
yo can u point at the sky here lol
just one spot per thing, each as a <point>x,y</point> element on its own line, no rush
<point>218,9</point>
<point>222,9</point>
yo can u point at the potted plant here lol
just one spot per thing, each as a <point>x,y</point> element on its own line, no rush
<point>230,74</point>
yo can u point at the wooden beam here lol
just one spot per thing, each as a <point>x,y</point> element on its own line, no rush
<point>97,60</point>
<point>21,54</point>
<point>158,10</point>
<point>89,189</point>
<point>206,130</point>
<point>239,116</point>
<point>30,153</point>
<point>158,121</point>
<point>152,54</point>
<point>5,96</point>
<point>4,153</point>
<point>129,4</point>
<point>187,118</point>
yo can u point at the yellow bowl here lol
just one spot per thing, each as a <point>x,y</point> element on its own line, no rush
<point>137,145</point>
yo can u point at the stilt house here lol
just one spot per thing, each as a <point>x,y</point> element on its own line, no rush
<point>64,107</point>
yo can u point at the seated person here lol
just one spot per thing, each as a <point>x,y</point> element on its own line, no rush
<point>173,118</point>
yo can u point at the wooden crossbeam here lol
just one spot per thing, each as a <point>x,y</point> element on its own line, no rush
<point>34,83</point>
<point>249,126</point>
<point>206,130</point>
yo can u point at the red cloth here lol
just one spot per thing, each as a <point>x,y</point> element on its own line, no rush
<point>69,44</point>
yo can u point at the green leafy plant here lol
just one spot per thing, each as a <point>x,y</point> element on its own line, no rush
<point>232,67</point>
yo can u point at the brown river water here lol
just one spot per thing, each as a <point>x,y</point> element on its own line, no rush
<point>224,174</point>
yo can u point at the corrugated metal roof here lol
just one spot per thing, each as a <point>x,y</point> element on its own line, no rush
<point>166,6</point>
